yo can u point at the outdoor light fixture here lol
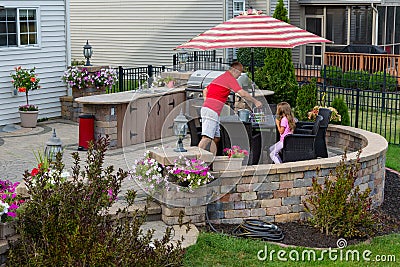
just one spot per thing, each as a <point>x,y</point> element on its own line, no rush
<point>183,57</point>
<point>53,146</point>
<point>2,8</point>
<point>87,52</point>
<point>180,128</point>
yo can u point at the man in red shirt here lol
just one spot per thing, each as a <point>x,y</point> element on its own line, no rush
<point>215,96</point>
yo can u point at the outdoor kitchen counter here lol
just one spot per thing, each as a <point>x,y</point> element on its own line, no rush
<point>132,117</point>
<point>126,97</point>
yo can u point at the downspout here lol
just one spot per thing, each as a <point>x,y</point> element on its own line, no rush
<point>68,32</point>
<point>226,16</point>
<point>375,25</point>
<point>68,39</point>
<point>268,8</point>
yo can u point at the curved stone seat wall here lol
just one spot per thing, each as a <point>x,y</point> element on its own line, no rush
<point>276,192</point>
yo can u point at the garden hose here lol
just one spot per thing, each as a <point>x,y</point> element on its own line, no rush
<point>259,229</point>
<point>254,229</point>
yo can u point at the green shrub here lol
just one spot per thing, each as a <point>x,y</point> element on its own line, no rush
<point>356,79</point>
<point>333,75</point>
<point>244,56</point>
<point>338,207</point>
<point>68,224</point>
<point>340,105</point>
<point>306,100</point>
<point>377,82</point>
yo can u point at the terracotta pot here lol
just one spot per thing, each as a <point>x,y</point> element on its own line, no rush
<point>224,163</point>
<point>28,118</point>
<point>7,229</point>
<point>171,84</point>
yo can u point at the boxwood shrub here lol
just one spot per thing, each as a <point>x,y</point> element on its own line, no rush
<point>333,75</point>
<point>356,79</point>
<point>377,82</point>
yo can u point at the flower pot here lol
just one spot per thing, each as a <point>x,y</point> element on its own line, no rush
<point>28,118</point>
<point>87,91</point>
<point>222,163</point>
<point>171,84</point>
<point>7,229</point>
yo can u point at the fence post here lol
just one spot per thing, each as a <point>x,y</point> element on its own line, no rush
<point>383,90</point>
<point>323,85</point>
<point>357,107</point>
<point>150,73</point>
<point>174,61</point>
<point>121,78</point>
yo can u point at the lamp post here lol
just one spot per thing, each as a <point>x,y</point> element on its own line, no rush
<point>87,52</point>
<point>180,128</point>
<point>53,146</point>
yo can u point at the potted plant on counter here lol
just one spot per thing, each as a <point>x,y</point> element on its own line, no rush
<point>84,81</point>
<point>232,160</point>
<point>25,80</point>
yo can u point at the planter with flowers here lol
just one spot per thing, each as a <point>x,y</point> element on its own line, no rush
<point>25,80</point>
<point>10,203</point>
<point>335,116</point>
<point>190,173</point>
<point>232,160</point>
<point>149,174</point>
<point>86,81</point>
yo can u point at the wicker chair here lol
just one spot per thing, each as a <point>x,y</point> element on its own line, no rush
<point>301,146</point>
<point>194,126</point>
<point>233,133</point>
<point>303,127</point>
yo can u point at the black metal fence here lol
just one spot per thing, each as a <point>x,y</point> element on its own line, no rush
<point>198,60</point>
<point>373,99</point>
<point>130,78</point>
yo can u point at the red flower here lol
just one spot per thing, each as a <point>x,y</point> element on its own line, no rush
<point>22,89</point>
<point>33,79</point>
<point>34,172</point>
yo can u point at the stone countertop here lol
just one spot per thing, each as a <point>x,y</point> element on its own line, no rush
<point>126,97</point>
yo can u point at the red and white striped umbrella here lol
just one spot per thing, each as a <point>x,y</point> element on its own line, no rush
<point>253,31</point>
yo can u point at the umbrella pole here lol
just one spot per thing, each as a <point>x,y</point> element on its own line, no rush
<point>252,72</point>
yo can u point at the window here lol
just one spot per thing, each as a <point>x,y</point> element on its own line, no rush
<point>238,7</point>
<point>18,27</point>
<point>336,25</point>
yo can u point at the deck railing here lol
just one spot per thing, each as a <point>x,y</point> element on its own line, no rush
<point>366,62</point>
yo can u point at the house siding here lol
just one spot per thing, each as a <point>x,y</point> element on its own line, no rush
<point>49,58</point>
<point>139,33</point>
<point>391,3</point>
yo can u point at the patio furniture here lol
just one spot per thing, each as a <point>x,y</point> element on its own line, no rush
<point>303,127</point>
<point>301,146</point>
<point>194,125</point>
<point>233,132</point>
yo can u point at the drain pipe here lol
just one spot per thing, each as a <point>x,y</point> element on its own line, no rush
<point>375,20</point>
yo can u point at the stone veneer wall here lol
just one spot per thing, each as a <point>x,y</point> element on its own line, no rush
<point>279,196</point>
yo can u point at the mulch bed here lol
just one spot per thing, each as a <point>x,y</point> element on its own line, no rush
<point>302,234</point>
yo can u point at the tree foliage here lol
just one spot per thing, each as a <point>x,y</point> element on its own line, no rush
<point>306,100</point>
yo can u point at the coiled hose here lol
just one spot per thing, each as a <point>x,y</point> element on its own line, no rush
<point>254,229</point>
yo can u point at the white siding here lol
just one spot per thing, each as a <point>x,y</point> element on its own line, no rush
<point>49,59</point>
<point>138,33</point>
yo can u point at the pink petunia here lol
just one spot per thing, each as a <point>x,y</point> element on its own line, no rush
<point>12,214</point>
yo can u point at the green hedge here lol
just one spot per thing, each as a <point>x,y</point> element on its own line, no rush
<point>333,75</point>
<point>377,82</point>
<point>356,79</point>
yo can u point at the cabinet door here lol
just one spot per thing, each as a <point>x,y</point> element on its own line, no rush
<point>171,109</point>
<point>143,113</point>
<point>150,123</point>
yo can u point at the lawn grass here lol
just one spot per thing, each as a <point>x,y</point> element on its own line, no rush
<point>392,157</point>
<point>220,250</point>
<point>214,249</point>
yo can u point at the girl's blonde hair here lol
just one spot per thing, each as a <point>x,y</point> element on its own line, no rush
<point>283,109</point>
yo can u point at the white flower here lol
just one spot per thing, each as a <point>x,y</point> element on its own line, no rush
<point>3,208</point>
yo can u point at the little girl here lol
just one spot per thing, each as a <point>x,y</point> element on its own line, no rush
<point>286,124</point>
